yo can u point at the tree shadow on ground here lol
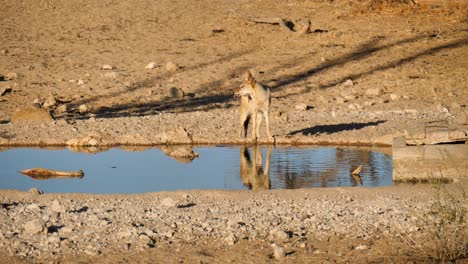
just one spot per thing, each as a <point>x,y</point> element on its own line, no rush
<point>222,98</point>
<point>335,128</point>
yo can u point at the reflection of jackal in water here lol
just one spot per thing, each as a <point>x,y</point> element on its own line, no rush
<point>252,173</point>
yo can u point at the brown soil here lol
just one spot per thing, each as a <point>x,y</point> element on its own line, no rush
<point>407,64</point>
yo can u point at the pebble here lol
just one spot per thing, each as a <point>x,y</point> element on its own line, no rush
<point>168,202</point>
<point>175,92</point>
<point>361,247</point>
<point>83,109</point>
<point>50,102</point>
<point>111,75</point>
<point>151,65</point>
<point>394,97</point>
<point>301,106</point>
<point>373,92</point>
<point>33,227</point>
<point>171,67</point>
<point>5,90</point>
<point>107,67</point>
<point>278,252</point>
<point>56,207</point>
<point>80,82</point>
<point>348,82</point>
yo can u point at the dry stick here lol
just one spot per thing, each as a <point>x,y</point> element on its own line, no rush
<point>275,21</point>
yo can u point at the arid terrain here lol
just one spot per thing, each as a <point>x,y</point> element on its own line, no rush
<point>108,73</point>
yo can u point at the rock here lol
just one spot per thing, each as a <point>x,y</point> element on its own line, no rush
<point>348,83</point>
<point>56,207</point>
<point>35,191</point>
<point>184,154</point>
<point>361,247</point>
<point>168,202</point>
<point>301,106</point>
<point>171,67</point>
<point>175,92</point>
<point>11,76</point>
<point>373,92</point>
<point>279,234</point>
<point>80,82</point>
<point>31,115</point>
<point>394,97</point>
<point>339,100</point>
<point>230,240</point>
<point>61,109</point>
<point>5,90</point>
<point>107,67</point>
<point>151,65</point>
<point>179,135</point>
<point>33,227</point>
<point>33,207</point>
<point>83,109</point>
<point>278,252</point>
<point>111,75</point>
<point>50,102</point>
<point>124,234</point>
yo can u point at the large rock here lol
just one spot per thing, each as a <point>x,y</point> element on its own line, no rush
<point>31,114</point>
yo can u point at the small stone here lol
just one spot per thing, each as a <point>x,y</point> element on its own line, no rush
<point>5,90</point>
<point>50,102</point>
<point>301,106</point>
<point>35,191</point>
<point>361,247</point>
<point>111,75</point>
<point>107,67</point>
<point>171,67</point>
<point>394,97</point>
<point>3,51</point>
<point>339,100</point>
<point>230,240</point>
<point>33,207</point>
<point>280,235</point>
<point>33,227</point>
<point>56,207</point>
<point>124,234</point>
<point>83,109</point>
<point>352,107</point>
<point>151,65</point>
<point>11,76</point>
<point>278,252</point>
<point>61,109</point>
<point>80,82</point>
<point>175,92</point>
<point>373,92</point>
<point>348,82</point>
<point>302,245</point>
<point>168,202</point>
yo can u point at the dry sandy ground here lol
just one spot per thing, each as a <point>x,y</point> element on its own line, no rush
<point>406,66</point>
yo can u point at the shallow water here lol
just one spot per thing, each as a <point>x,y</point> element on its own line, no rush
<point>224,167</point>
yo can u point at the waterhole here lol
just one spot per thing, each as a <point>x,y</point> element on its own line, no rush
<point>140,170</point>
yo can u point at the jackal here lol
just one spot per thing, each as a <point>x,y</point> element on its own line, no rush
<point>255,100</point>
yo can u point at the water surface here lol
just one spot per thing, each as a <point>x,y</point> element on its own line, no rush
<point>223,167</point>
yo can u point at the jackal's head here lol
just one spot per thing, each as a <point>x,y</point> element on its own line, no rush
<point>246,87</point>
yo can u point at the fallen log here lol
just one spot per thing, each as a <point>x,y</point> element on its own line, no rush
<point>42,174</point>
